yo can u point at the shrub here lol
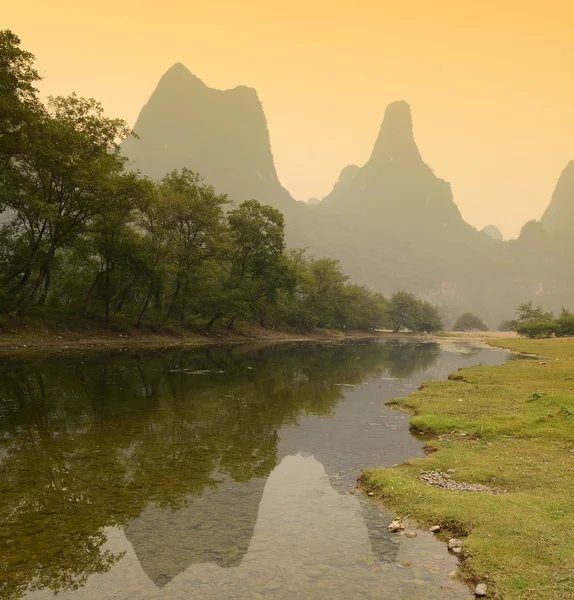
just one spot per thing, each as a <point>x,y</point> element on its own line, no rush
<point>564,326</point>
<point>536,329</point>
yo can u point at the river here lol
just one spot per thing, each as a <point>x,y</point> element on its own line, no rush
<point>214,473</point>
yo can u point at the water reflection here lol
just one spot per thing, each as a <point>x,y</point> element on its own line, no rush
<point>175,448</point>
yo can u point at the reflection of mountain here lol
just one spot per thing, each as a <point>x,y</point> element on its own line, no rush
<point>308,542</point>
<point>140,439</point>
<point>215,527</point>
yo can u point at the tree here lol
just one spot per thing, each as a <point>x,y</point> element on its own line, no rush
<point>467,322</point>
<point>527,313</point>
<point>429,318</point>
<point>403,311</point>
<point>191,223</point>
<point>18,99</point>
<point>73,175</point>
<point>256,267</point>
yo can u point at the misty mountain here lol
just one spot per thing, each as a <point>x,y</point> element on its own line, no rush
<point>222,135</point>
<point>392,223</point>
<point>559,215</point>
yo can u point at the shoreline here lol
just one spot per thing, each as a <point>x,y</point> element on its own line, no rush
<point>23,339</point>
<point>497,444</point>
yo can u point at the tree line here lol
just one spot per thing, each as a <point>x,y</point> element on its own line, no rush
<point>82,233</point>
<point>534,322</point>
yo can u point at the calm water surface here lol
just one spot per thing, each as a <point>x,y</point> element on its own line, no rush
<point>217,473</point>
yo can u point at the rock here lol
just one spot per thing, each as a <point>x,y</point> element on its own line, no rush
<point>370,494</point>
<point>434,528</point>
<point>457,550</point>
<point>395,526</point>
<point>451,471</point>
<point>481,590</point>
<point>452,574</point>
<point>454,543</point>
<point>411,534</point>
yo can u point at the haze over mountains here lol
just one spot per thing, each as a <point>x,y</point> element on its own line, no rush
<point>392,223</point>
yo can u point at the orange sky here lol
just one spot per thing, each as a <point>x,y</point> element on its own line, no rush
<point>491,83</point>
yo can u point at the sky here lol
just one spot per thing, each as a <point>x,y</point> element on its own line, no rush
<point>490,83</point>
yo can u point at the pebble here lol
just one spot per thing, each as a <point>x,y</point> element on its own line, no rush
<point>411,534</point>
<point>454,543</point>
<point>451,471</point>
<point>481,589</point>
<point>434,528</point>
<point>457,550</point>
<point>452,574</point>
<point>395,526</point>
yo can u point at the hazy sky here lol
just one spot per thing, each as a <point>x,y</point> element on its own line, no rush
<point>490,82</point>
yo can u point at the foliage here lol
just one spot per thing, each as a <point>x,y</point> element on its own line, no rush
<point>86,236</point>
<point>535,323</point>
<point>468,322</point>
<point>406,311</point>
<point>536,329</point>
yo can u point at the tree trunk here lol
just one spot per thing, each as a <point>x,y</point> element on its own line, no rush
<point>87,298</point>
<point>211,323</point>
<point>47,281</point>
<point>120,304</point>
<point>231,322</point>
<point>174,298</point>
<point>139,324</point>
<point>107,291</point>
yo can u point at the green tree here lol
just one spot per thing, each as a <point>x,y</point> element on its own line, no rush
<point>256,266</point>
<point>74,174</point>
<point>467,322</point>
<point>428,318</point>
<point>19,103</point>
<point>192,228</point>
<point>404,311</point>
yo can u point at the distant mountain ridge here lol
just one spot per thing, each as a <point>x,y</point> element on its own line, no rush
<point>392,222</point>
<point>222,135</point>
<point>559,215</point>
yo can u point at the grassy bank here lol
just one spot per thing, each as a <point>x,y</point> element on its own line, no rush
<point>53,329</point>
<point>511,428</point>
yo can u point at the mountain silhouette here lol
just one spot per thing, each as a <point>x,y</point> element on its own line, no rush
<point>222,135</point>
<point>395,180</point>
<point>559,215</point>
<point>392,223</point>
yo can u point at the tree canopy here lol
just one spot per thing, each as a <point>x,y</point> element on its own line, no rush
<point>83,234</point>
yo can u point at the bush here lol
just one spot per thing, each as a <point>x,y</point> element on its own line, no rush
<point>536,329</point>
<point>564,326</point>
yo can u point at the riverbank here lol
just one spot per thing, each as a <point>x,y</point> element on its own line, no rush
<point>63,332</point>
<point>509,428</point>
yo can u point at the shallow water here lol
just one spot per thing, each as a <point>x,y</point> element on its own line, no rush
<point>213,473</point>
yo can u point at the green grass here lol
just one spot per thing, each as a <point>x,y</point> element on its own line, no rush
<point>490,425</point>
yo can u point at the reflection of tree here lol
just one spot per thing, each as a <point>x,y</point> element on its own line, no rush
<point>406,359</point>
<point>90,441</point>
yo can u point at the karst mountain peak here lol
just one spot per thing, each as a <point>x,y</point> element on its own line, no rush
<point>396,140</point>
